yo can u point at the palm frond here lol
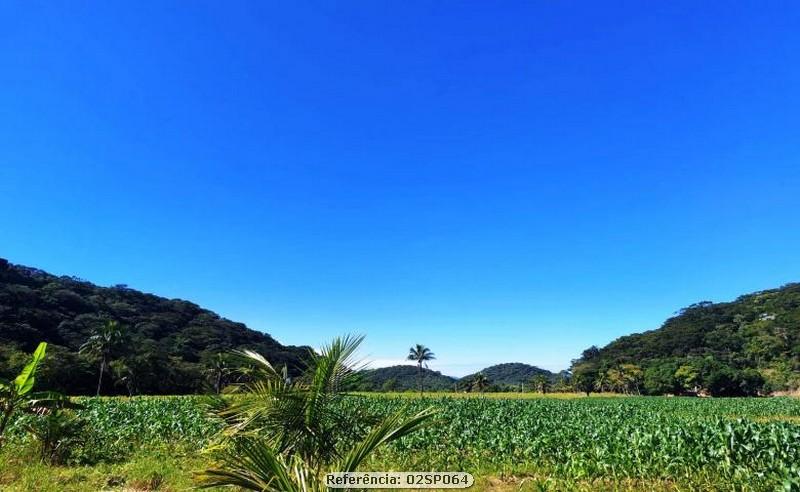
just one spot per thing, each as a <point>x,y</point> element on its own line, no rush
<point>253,465</point>
<point>261,364</point>
<point>282,435</point>
<point>392,428</point>
<point>420,353</point>
<point>331,368</point>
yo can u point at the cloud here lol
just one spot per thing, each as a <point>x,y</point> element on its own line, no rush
<point>387,362</point>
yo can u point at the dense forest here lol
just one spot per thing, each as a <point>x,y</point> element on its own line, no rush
<point>512,375</point>
<point>746,347</point>
<point>750,346</point>
<point>402,378</point>
<point>165,346</point>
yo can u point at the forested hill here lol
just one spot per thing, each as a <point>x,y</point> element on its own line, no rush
<point>406,377</point>
<point>403,378</point>
<point>512,374</point>
<point>748,346</point>
<point>168,345</point>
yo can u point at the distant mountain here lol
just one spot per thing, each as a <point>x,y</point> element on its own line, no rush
<point>745,347</point>
<point>169,343</point>
<point>511,374</point>
<point>402,378</point>
<point>405,377</point>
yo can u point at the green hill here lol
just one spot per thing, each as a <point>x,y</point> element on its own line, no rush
<point>511,374</point>
<point>168,342</point>
<point>402,378</point>
<point>745,347</point>
<point>405,377</point>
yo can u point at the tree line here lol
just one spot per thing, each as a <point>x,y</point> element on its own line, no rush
<point>164,346</point>
<point>747,347</point>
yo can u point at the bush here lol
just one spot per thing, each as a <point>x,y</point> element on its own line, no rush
<point>59,433</point>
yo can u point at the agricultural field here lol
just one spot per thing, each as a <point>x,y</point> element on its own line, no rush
<point>559,443</point>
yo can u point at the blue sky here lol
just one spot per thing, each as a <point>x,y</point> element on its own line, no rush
<point>502,183</point>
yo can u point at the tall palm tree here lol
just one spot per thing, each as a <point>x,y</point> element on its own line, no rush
<point>421,354</point>
<point>104,339</point>
<point>284,434</point>
<point>217,370</point>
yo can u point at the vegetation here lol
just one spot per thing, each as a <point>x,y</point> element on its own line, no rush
<point>169,344</point>
<point>720,444</point>
<point>105,338</point>
<point>141,443</point>
<point>746,347</point>
<point>219,370</point>
<point>511,376</point>
<point>53,426</point>
<point>114,429</point>
<point>16,395</point>
<point>750,346</point>
<point>538,442</point>
<point>480,383</point>
<point>280,425</point>
<point>421,355</point>
<point>502,377</point>
<point>540,383</point>
<point>285,434</point>
<point>401,378</point>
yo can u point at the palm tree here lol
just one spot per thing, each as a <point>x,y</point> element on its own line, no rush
<point>217,370</point>
<point>421,354</point>
<point>480,383</point>
<point>283,435</point>
<point>103,340</point>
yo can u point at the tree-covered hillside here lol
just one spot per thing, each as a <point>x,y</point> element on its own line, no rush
<point>497,378</point>
<point>745,347</point>
<point>512,374</point>
<point>403,378</point>
<point>168,346</point>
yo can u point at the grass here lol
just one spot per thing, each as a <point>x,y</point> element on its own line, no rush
<point>164,469</point>
<point>509,441</point>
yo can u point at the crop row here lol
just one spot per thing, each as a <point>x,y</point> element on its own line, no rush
<point>701,441</point>
<point>751,444</point>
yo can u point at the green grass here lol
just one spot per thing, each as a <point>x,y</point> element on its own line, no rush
<point>153,468</point>
<point>560,442</point>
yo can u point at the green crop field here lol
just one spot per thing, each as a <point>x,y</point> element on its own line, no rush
<point>637,443</point>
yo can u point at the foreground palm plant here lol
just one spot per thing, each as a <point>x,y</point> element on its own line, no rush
<point>284,435</point>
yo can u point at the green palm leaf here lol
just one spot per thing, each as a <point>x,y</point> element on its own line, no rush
<point>284,435</point>
<point>393,428</point>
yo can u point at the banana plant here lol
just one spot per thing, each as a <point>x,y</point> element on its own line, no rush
<point>18,395</point>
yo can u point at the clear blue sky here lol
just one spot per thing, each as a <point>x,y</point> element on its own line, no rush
<point>505,181</point>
